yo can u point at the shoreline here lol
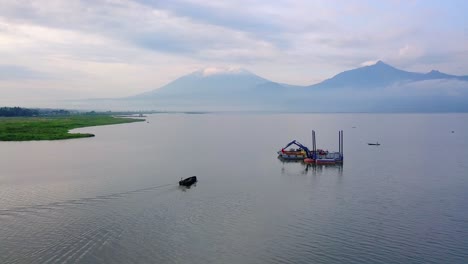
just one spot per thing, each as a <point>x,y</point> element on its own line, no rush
<point>16,129</point>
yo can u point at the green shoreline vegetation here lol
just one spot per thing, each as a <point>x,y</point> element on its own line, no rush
<point>54,127</point>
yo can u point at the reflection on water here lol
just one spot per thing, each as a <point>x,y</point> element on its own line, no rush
<point>313,169</point>
<point>331,168</point>
<point>117,198</point>
<point>186,188</point>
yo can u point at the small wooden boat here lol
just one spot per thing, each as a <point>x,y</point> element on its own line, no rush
<point>188,181</point>
<point>374,144</point>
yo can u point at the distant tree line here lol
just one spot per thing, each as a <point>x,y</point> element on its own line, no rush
<point>53,112</point>
<point>20,111</point>
<point>28,112</point>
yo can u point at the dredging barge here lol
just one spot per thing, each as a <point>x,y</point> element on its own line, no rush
<point>314,156</point>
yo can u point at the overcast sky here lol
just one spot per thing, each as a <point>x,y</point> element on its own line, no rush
<point>91,48</point>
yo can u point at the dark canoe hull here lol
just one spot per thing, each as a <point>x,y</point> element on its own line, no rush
<point>189,181</point>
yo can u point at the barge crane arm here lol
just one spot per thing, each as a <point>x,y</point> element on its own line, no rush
<point>294,142</point>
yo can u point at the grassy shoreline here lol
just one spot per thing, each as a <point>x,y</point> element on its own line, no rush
<point>54,128</point>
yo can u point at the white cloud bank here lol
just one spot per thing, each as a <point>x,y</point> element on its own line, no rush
<point>438,87</point>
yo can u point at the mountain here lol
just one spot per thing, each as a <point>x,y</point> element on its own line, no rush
<point>217,87</point>
<point>434,74</point>
<point>379,75</point>
<point>212,82</point>
<point>374,88</point>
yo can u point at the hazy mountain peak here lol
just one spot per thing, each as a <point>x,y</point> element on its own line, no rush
<point>435,74</point>
<point>209,71</point>
<point>210,82</point>
<point>379,62</point>
<point>379,74</point>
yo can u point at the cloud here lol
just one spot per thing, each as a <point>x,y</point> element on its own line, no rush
<point>216,70</point>
<point>119,48</point>
<point>410,51</point>
<point>438,87</point>
<point>221,13</point>
<point>133,23</point>
<point>15,72</point>
<point>369,63</point>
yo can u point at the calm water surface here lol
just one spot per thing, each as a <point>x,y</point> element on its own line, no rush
<point>114,198</point>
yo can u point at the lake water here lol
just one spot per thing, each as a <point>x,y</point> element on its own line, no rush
<point>114,198</point>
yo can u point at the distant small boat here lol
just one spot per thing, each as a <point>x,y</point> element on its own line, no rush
<point>374,144</point>
<point>188,181</point>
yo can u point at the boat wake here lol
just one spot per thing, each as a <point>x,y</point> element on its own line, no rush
<point>85,200</point>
